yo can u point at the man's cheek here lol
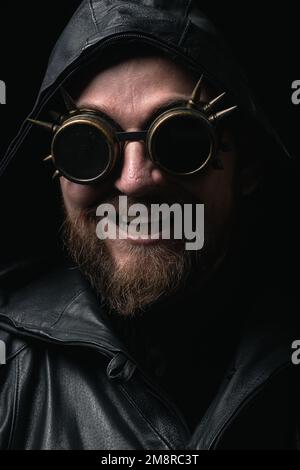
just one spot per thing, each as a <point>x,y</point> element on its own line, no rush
<point>78,195</point>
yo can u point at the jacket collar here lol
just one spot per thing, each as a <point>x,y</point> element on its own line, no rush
<point>60,307</point>
<point>263,353</point>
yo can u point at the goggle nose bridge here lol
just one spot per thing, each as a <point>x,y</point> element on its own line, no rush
<point>136,136</point>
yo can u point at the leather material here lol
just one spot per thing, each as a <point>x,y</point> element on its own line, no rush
<point>70,383</point>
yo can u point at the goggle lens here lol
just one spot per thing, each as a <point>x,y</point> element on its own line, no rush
<point>182,144</point>
<point>81,151</point>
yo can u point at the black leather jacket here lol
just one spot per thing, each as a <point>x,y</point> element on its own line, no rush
<point>69,383</point>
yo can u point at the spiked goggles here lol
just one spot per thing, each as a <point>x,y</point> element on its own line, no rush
<point>86,145</point>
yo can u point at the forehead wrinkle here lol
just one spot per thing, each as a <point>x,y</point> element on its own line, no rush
<point>131,91</point>
<point>127,119</point>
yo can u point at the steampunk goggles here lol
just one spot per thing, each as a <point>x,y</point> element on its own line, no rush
<point>87,145</point>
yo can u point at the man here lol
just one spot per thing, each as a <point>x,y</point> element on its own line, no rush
<point>137,342</point>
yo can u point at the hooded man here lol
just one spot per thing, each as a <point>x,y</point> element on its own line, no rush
<point>134,341</point>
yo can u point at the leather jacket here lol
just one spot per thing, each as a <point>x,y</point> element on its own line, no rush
<point>69,382</point>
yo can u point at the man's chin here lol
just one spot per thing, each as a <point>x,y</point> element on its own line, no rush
<point>127,276</point>
<point>126,250</point>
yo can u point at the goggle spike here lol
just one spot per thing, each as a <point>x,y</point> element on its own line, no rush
<point>195,98</point>
<point>213,102</point>
<point>222,114</point>
<point>55,174</point>
<point>45,125</point>
<point>68,100</point>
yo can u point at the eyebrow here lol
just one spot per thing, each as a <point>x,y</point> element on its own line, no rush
<point>155,112</point>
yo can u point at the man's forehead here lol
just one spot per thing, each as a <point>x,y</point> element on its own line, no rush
<point>135,88</point>
<point>140,75</point>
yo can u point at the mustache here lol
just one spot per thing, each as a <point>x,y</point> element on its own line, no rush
<point>147,201</point>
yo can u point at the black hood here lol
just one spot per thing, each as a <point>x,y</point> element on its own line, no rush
<point>179,28</point>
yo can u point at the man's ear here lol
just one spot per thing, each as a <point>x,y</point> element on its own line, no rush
<point>250,177</point>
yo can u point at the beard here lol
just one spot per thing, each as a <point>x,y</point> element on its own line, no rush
<point>147,274</point>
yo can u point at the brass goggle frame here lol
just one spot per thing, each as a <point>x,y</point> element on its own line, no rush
<point>115,139</point>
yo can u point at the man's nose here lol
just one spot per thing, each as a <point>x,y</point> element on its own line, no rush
<point>138,175</point>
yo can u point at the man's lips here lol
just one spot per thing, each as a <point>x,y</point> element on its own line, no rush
<point>137,222</point>
<point>143,230</point>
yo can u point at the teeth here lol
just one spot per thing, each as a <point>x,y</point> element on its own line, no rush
<point>126,219</point>
<point>145,227</point>
<point>129,218</point>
